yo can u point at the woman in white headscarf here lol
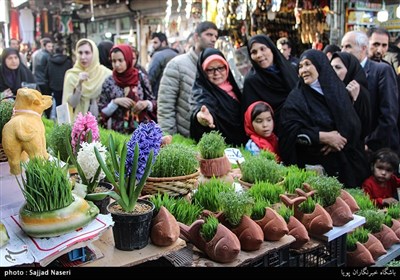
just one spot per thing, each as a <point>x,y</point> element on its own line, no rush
<point>83,82</point>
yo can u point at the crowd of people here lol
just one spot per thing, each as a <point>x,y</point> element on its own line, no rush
<point>335,107</point>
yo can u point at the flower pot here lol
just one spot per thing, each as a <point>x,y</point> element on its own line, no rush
<point>131,230</point>
<point>248,231</point>
<point>340,212</point>
<point>349,199</point>
<point>360,257</point>
<point>215,167</point>
<point>273,225</point>
<point>298,231</point>
<point>396,227</point>
<point>103,203</point>
<point>57,222</point>
<point>318,222</point>
<point>224,247</point>
<point>164,228</point>
<point>374,246</point>
<point>387,236</point>
<point>244,184</point>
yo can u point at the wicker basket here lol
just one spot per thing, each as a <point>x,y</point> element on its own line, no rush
<point>173,186</point>
<point>3,156</point>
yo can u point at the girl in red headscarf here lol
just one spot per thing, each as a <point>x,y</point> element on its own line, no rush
<point>123,101</point>
<point>259,125</point>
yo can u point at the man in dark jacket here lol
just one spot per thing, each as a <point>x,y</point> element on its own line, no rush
<point>57,65</point>
<point>162,54</point>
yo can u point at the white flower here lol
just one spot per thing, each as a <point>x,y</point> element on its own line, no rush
<point>87,159</point>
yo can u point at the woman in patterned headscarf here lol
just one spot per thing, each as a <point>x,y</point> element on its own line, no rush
<point>123,101</point>
<point>83,82</point>
<point>320,125</point>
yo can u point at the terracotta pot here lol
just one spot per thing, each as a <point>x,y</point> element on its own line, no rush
<point>340,213</point>
<point>349,199</point>
<point>298,231</point>
<point>359,257</point>
<point>248,231</point>
<point>244,184</point>
<point>396,227</point>
<point>273,225</point>
<point>387,236</point>
<point>164,228</point>
<point>374,246</point>
<point>223,248</point>
<point>215,167</point>
<point>318,222</point>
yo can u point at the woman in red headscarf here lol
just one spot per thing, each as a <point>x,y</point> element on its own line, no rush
<point>259,125</point>
<point>123,101</point>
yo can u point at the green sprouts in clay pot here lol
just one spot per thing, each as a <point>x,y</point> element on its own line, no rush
<point>328,189</point>
<point>295,177</point>
<point>374,220</point>
<point>163,200</point>
<point>209,228</point>
<point>6,110</point>
<point>285,212</point>
<point>175,160</point>
<point>235,205</point>
<point>212,145</point>
<point>308,206</point>
<point>258,168</point>
<point>185,212</point>
<point>57,138</point>
<point>207,194</point>
<point>266,191</point>
<point>258,210</point>
<point>393,210</point>
<point>360,234</point>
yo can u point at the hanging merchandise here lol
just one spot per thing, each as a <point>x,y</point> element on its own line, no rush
<point>45,21</point>
<point>14,24</point>
<point>38,34</point>
<point>27,25</point>
<point>66,26</point>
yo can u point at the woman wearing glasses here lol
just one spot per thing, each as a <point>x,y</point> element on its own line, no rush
<point>271,78</point>
<point>215,102</point>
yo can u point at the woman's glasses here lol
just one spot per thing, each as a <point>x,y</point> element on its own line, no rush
<point>211,71</point>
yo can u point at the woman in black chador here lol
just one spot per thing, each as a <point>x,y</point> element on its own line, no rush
<point>13,73</point>
<point>271,78</point>
<point>216,100</point>
<point>320,125</point>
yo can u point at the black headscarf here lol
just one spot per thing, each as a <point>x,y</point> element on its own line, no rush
<point>226,111</point>
<point>271,85</point>
<point>104,53</point>
<point>307,112</point>
<point>12,79</point>
<point>362,104</point>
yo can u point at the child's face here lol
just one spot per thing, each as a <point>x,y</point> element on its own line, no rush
<point>264,124</point>
<point>382,171</point>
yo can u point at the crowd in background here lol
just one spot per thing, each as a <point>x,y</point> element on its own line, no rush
<point>334,106</point>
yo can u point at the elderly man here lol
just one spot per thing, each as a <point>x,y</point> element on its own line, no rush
<point>383,89</point>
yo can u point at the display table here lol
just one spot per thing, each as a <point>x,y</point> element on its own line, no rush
<point>327,250</point>
<point>270,254</point>
<point>391,254</point>
<point>115,257</point>
<point>339,231</point>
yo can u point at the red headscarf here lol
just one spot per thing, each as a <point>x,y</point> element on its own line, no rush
<point>269,143</point>
<point>130,77</point>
